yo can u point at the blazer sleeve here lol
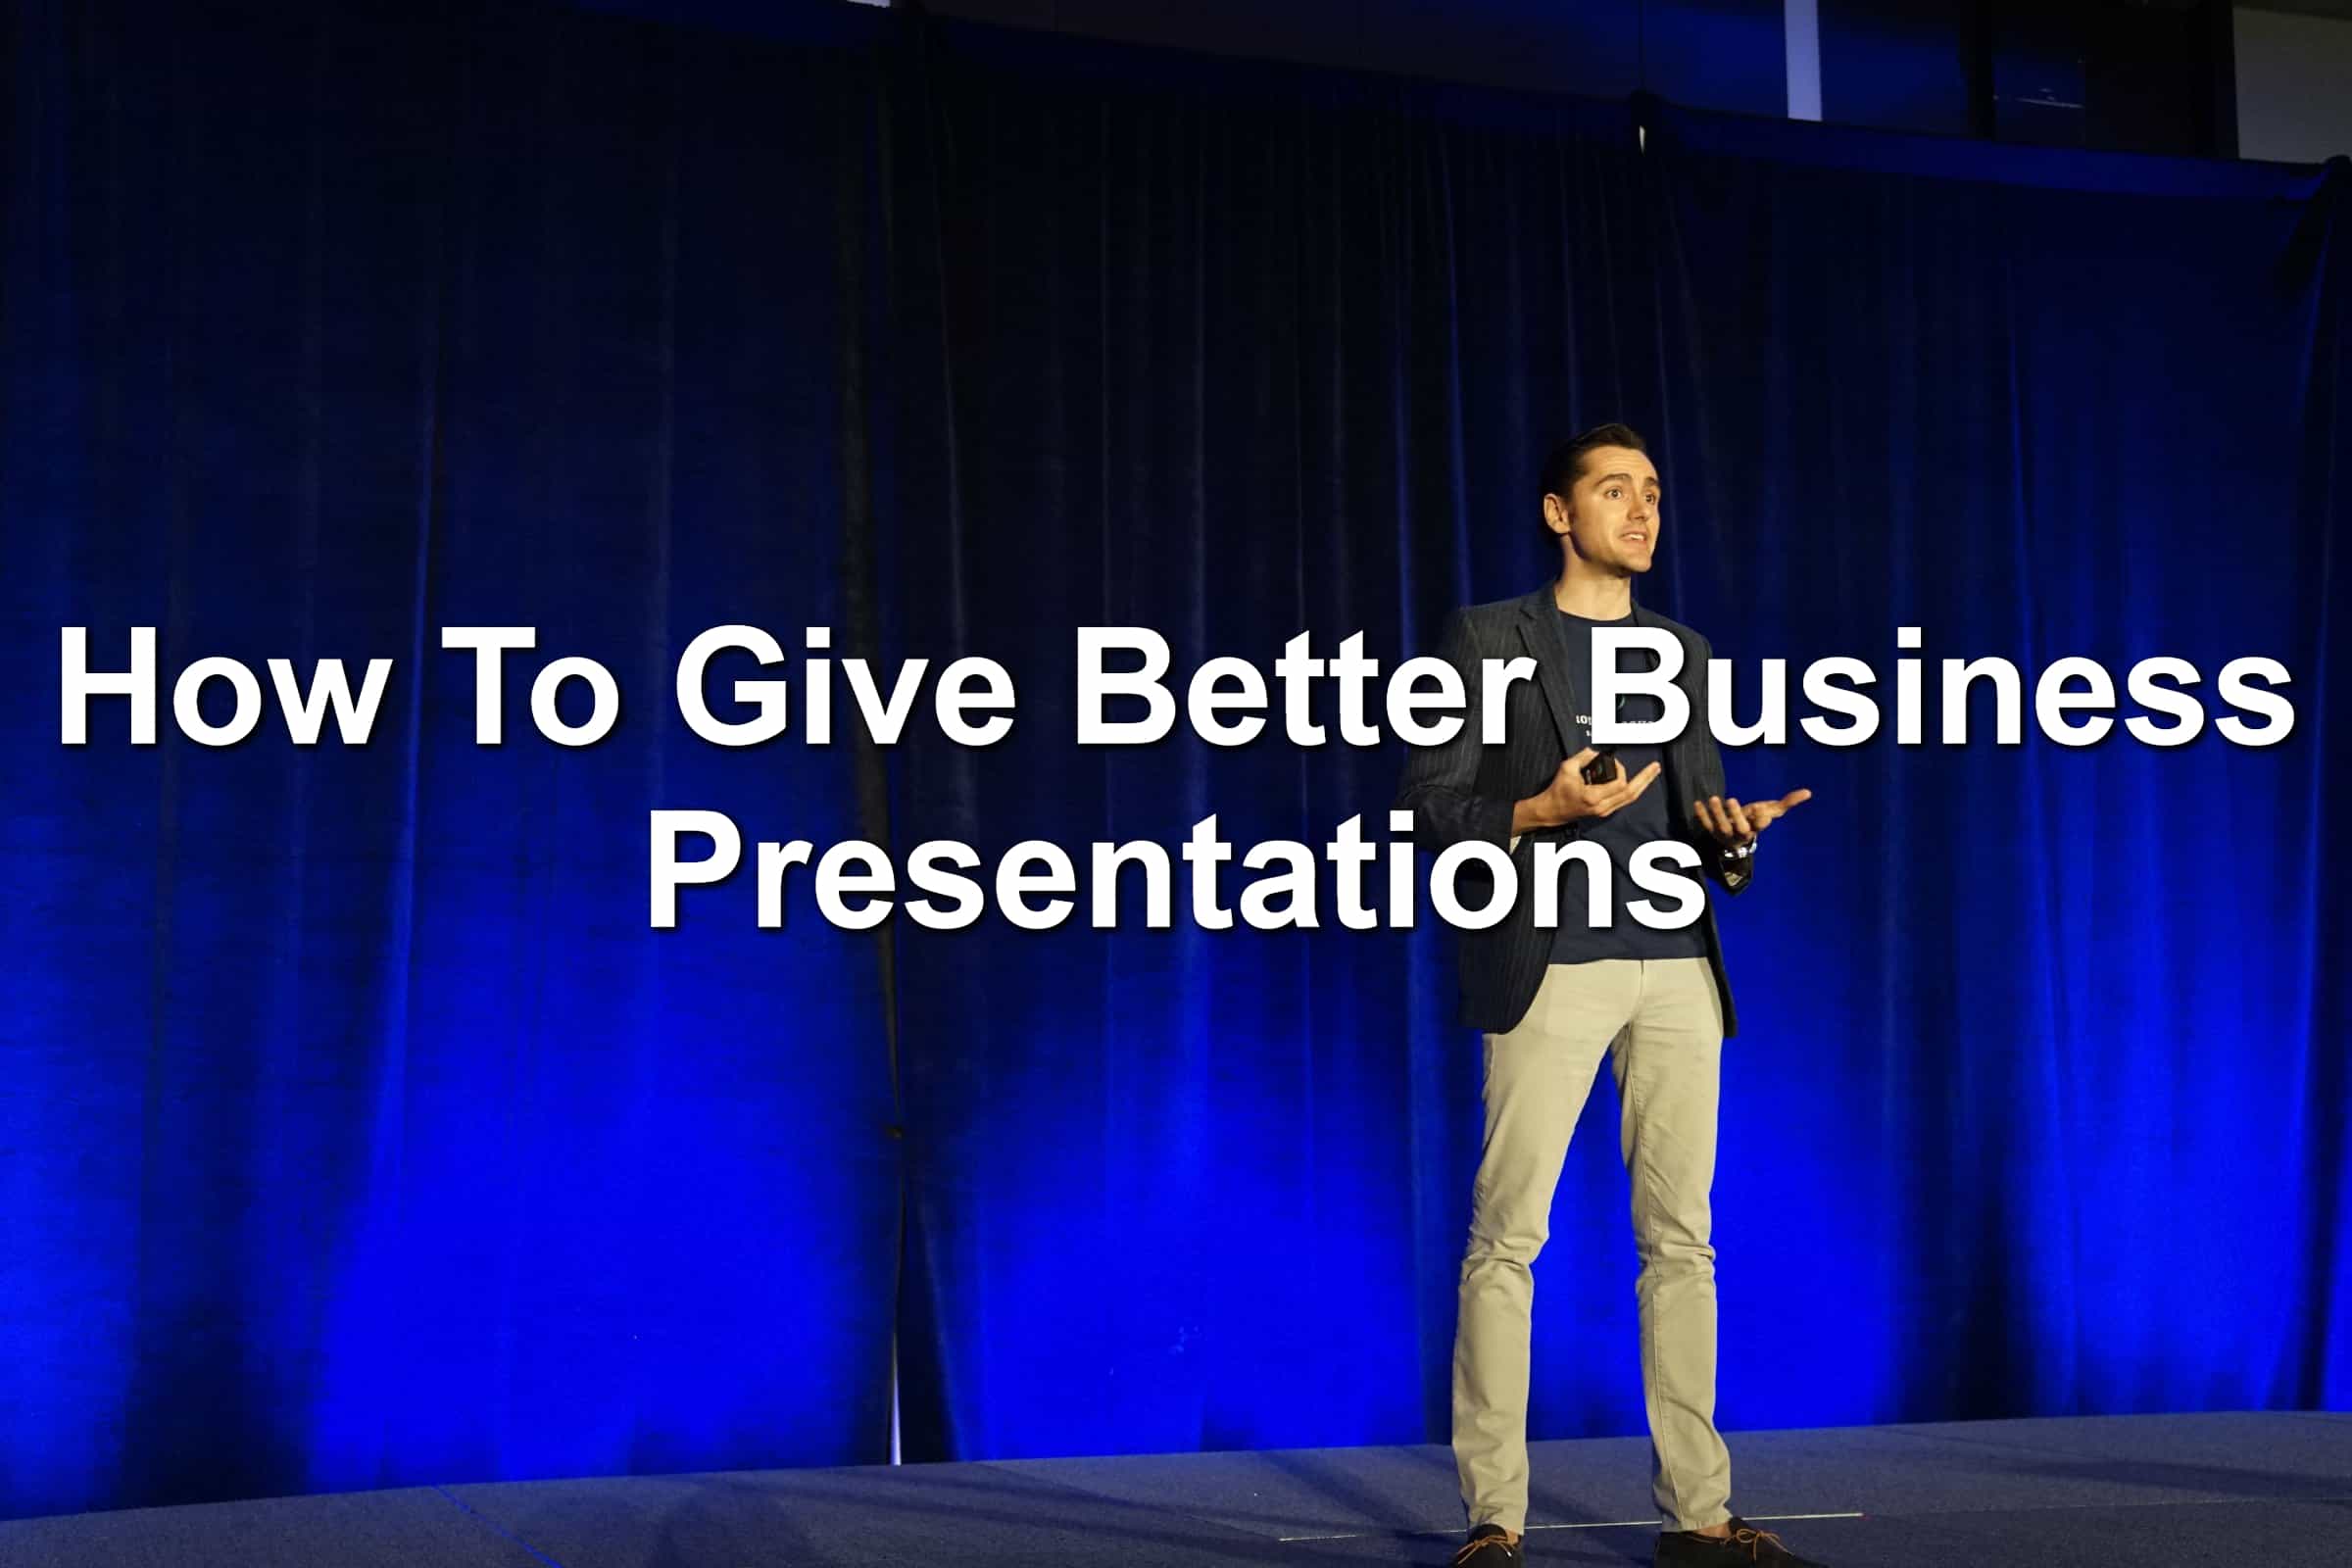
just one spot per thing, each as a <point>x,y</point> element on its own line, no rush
<point>1731,873</point>
<point>1441,782</point>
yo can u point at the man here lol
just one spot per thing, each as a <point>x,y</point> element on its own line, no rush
<point>1551,1003</point>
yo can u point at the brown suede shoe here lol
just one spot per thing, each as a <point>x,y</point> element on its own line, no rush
<point>1745,1545</point>
<point>1491,1546</point>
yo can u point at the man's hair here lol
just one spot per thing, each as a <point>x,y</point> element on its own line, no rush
<point>1564,463</point>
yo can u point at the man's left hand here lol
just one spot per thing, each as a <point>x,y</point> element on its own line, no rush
<point>1734,824</point>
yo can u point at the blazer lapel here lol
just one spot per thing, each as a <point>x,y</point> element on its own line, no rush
<point>1539,633</point>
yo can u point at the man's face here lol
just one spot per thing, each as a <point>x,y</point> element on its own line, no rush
<point>1611,512</point>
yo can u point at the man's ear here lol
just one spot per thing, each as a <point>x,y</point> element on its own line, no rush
<point>1555,514</point>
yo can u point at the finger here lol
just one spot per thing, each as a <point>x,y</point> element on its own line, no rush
<point>1760,815</point>
<point>1642,781</point>
<point>1618,763</point>
<point>1739,820</point>
<point>1575,763</point>
<point>1706,818</point>
<point>1794,798</point>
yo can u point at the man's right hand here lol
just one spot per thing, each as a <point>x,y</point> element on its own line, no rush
<point>1569,799</point>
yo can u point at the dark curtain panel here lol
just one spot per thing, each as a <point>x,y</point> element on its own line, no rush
<point>1232,352</point>
<point>356,1130</point>
<point>2043,1106</point>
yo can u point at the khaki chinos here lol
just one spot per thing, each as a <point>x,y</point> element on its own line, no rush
<point>1660,1023</point>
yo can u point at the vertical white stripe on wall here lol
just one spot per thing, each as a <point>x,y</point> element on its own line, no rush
<point>1804,31</point>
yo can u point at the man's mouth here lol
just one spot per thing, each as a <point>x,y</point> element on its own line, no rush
<point>1636,536</point>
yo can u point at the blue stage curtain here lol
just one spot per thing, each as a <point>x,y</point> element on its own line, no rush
<point>1230,352</point>
<point>2038,1104</point>
<point>357,1131</point>
<point>2042,1108</point>
<point>355,1128</point>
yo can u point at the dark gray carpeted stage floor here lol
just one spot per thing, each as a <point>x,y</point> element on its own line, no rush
<point>2235,1489</point>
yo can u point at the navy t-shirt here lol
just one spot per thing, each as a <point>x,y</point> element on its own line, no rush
<point>1645,820</point>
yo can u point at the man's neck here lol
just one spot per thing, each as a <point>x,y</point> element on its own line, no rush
<point>1596,595</point>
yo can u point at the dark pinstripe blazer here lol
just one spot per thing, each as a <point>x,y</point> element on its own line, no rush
<point>1463,789</point>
